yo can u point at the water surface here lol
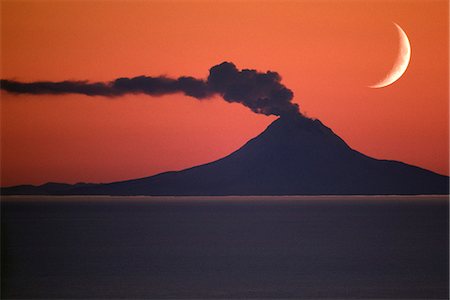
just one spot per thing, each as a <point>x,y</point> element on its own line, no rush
<point>225,247</point>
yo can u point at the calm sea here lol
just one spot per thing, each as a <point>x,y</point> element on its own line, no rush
<point>225,247</point>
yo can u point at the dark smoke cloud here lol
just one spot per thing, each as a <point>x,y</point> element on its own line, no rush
<point>261,92</point>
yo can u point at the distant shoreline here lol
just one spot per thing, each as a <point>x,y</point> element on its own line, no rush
<point>280,198</point>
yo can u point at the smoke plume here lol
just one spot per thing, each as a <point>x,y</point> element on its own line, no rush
<point>261,92</point>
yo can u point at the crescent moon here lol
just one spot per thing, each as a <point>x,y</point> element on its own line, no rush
<point>401,63</point>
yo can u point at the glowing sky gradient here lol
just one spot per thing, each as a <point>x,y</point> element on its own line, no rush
<point>327,52</point>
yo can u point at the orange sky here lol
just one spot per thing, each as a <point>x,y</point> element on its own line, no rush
<point>327,52</point>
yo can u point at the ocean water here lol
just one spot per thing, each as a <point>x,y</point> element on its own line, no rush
<point>225,247</point>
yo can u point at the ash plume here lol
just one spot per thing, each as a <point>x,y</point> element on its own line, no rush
<point>261,92</point>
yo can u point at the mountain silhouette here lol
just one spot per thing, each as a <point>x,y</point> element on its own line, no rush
<point>293,156</point>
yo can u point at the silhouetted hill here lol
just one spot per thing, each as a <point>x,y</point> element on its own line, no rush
<point>293,156</point>
<point>49,188</point>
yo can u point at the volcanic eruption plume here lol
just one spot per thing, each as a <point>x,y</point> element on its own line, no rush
<point>261,92</point>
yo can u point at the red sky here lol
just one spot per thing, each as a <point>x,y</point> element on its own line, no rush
<point>327,52</point>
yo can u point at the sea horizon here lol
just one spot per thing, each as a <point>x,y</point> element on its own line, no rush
<point>228,197</point>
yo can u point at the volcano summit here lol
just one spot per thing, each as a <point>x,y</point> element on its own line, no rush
<point>293,156</point>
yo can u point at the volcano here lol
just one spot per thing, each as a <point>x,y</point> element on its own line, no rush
<point>293,156</point>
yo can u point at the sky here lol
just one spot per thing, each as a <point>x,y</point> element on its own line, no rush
<point>327,53</point>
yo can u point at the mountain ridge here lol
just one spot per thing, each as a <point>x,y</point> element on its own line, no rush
<point>294,155</point>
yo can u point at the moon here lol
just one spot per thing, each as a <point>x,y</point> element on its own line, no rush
<point>401,63</point>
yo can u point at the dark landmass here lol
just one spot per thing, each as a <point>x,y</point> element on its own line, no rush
<point>293,156</point>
